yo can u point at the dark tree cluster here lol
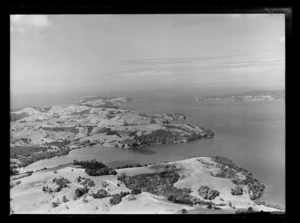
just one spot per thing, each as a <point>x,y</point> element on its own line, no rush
<point>208,193</point>
<point>238,190</point>
<point>79,192</point>
<point>62,182</point>
<point>116,199</point>
<point>85,181</point>
<point>95,168</point>
<point>100,194</point>
<point>136,191</point>
<point>159,184</point>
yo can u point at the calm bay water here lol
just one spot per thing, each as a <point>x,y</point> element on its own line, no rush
<point>252,134</point>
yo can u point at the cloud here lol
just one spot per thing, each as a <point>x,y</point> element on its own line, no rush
<point>22,23</point>
<point>281,40</point>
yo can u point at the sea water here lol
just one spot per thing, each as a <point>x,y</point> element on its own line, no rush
<point>252,134</point>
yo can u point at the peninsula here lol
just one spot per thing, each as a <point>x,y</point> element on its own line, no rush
<point>40,133</point>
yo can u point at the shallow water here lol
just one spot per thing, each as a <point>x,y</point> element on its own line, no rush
<point>252,134</point>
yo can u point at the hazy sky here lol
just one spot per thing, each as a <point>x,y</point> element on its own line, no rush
<point>78,52</point>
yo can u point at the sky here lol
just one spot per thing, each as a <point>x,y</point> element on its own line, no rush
<point>68,53</point>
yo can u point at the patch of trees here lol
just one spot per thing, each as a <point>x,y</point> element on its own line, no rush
<point>61,129</point>
<point>79,192</point>
<point>61,182</point>
<point>89,129</point>
<point>208,193</point>
<point>100,194</point>
<point>160,184</point>
<point>226,173</point>
<point>238,190</point>
<point>129,166</point>
<point>95,168</point>
<point>58,144</point>
<point>157,137</point>
<point>116,199</point>
<point>85,181</point>
<point>136,191</point>
<point>110,116</point>
<point>108,131</point>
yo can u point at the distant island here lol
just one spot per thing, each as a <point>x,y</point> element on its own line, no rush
<point>278,95</point>
<point>44,132</point>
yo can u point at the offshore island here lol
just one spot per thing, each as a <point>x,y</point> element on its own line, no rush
<point>278,95</point>
<point>202,185</point>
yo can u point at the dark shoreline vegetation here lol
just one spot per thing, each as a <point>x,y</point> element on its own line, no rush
<point>229,170</point>
<point>95,168</point>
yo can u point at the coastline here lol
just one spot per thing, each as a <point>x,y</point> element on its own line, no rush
<point>193,172</point>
